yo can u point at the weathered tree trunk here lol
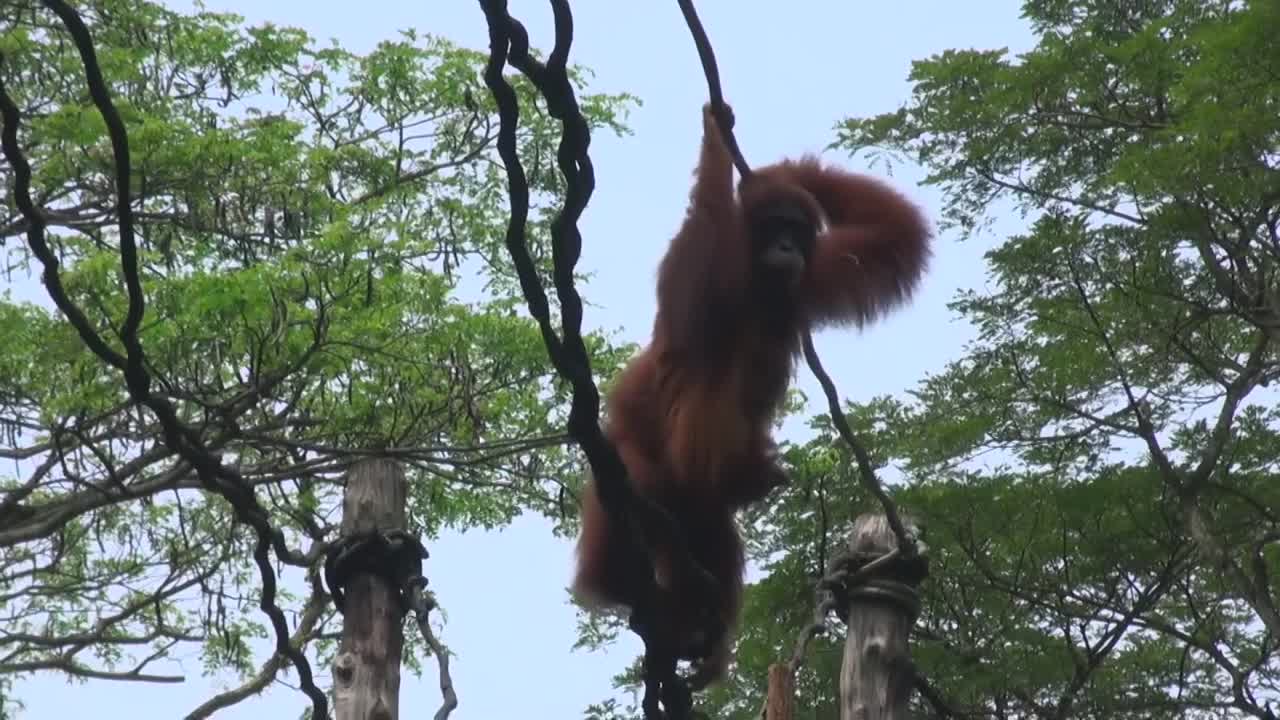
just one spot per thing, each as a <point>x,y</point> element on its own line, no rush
<point>782,689</point>
<point>877,676</point>
<point>366,672</point>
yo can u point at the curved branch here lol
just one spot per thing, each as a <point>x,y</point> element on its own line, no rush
<point>423,603</point>
<point>307,624</point>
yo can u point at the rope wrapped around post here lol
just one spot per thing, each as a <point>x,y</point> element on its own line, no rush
<point>879,602</point>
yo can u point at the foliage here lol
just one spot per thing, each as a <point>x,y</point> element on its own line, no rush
<point>313,223</point>
<point>1097,475</point>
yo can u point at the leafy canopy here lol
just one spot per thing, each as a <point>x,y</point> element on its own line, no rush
<point>1097,473</point>
<point>321,248</point>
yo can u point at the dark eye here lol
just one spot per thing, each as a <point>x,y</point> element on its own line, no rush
<point>796,235</point>
<point>785,241</point>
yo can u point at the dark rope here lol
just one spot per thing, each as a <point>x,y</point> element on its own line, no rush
<point>712,73</point>
<point>866,469</point>
<point>393,555</point>
<point>640,518</point>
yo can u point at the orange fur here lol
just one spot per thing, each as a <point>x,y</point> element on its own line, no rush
<point>691,414</point>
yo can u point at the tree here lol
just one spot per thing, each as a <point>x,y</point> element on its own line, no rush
<point>308,221</point>
<point>1097,475</point>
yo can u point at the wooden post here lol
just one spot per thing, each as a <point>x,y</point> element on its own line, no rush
<point>366,672</point>
<point>877,675</point>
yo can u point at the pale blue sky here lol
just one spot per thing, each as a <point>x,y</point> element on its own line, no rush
<point>790,75</point>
